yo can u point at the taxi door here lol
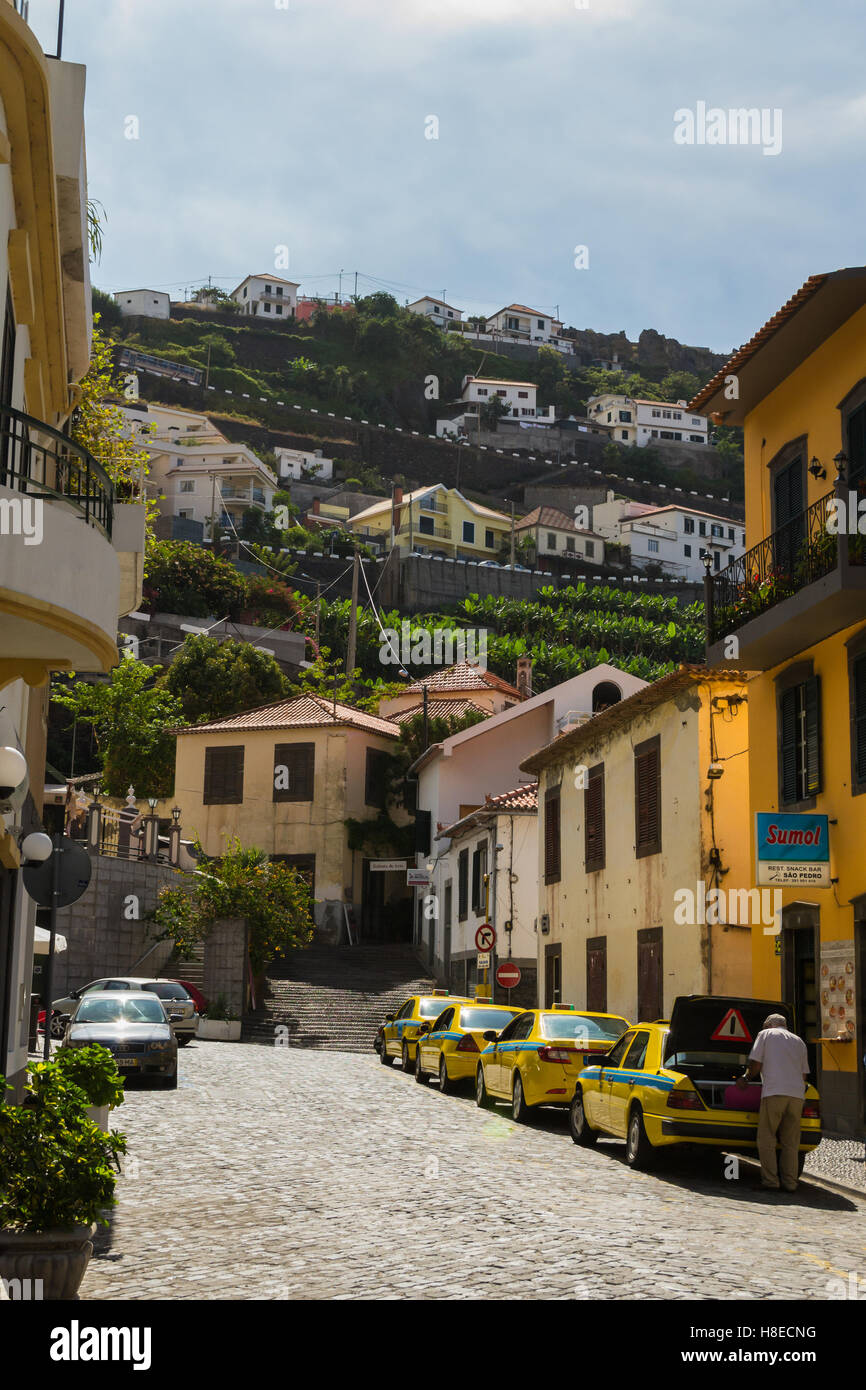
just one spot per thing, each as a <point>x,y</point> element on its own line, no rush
<point>429,1042</point>
<point>601,1100</point>
<point>622,1085</point>
<point>508,1051</point>
<point>393,1032</point>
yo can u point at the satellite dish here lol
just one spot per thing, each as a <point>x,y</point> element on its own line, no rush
<point>75,871</point>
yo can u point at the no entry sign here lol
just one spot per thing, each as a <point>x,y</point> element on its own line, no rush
<point>508,975</point>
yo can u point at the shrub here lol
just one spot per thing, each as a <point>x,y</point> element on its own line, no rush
<point>94,1070</point>
<point>180,577</point>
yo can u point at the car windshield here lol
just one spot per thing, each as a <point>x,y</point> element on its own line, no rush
<point>167,991</point>
<point>588,1028</point>
<point>107,1010</point>
<point>486,1018</point>
<point>433,1007</point>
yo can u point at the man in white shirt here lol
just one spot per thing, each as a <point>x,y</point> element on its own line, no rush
<point>783,1062</point>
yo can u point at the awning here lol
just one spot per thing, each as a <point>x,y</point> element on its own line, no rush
<point>41,939</point>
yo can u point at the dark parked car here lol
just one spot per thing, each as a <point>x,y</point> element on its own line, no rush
<point>133,1026</point>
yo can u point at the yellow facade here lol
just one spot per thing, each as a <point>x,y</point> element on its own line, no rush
<point>648,912</point>
<point>436,519</point>
<point>796,387</point>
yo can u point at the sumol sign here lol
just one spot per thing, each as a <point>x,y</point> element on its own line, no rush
<point>793,848</point>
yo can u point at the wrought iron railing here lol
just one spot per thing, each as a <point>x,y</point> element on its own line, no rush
<point>783,563</point>
<point>41,462</point>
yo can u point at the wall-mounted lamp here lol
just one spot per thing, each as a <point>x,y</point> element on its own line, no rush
<point>175,814</point>
<point>816,468</point>
<point>36,847</point>
<point>841,462</point>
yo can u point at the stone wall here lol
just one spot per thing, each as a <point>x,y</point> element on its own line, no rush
<point>225,963</point>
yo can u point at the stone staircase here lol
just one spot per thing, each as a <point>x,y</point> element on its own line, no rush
<point>334,997</point>
<point>191,969</point>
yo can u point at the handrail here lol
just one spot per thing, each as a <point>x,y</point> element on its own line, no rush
<point>38,460</point>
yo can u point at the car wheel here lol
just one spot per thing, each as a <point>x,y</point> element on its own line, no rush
<point>483,1098</point>
<point>578,1124</point>
<point>183,1039</point>
<point>639,1151</point>
<point>58,1025</point>
<point>420,1077</point>
<point>384,1058</point>
<point>519,1108</point>
<point>446,1085</point>
<point>405,1059</point>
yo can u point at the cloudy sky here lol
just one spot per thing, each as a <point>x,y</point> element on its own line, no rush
<point>304,123</point>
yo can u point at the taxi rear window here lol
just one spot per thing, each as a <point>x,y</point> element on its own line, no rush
<point>486,1018</point>
<point>588,1028</point>
<point>434,1006</point>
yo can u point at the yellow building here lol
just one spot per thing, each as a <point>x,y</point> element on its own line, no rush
<point>794,610</point>
<point>434,519</point>
<point>643,850</point>
<point>285,778</point>
<point>70,555</point>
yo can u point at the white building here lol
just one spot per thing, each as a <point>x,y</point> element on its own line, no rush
<point>299,463</point>
<point>196,474</point>
<point>456,778</point>
<point>518,396</point>
<point>608,516</point>
<point>442,314</point>
<point>554,533</point>
<point>519,324</point>
<point>636,421</point>
<point>146,304</point>
<point>678,537</point>
<point>267,295</point>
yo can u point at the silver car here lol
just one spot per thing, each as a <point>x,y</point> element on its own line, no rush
<point>133,1025</point>
<point>179,1004</point>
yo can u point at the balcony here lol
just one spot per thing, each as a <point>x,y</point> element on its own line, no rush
<point>442,532</point>
<point>795,588</point>
<point>433,504</point>
<point>230,492</point>
<point>39,461</point>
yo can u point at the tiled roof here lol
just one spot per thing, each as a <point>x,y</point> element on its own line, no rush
<point>304,712</point>
<point>546,516</point>
<point>439,709</point>
<point>463,676</point>
<point>518,799</point>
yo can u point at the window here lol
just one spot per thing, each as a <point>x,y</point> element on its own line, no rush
<point>267,307</point>
<point>551,540</point>
<point>799,739</point>
<point>857,697</point>
<point>625,417</point>
<point>677,415</point>
<point>187,485</point>
<point>687,551</point>
<point>279,308</point>
<point>224,776</point>
<point>267,289</point>
<point>489,539</point>
<point>652,547</point>
<point>666,415</point>
<point>689,525</point>
<point>463,885</point>
<point>589,549</point>
<point>702,528</point>
<point>623,434</point>
<point>540,323</point>
<point>469,532</point>
<point>552,861</point>
<point>647,798</point>
<point>696,438</point>
<point>185,514</point>
<point>717,560</point>
<point>593,820</point>
<point>730,533</point>
<point>279,289</point>
<point>717,530</point>
<point>375,781</point>
<point>656,415</point>
<point>479,869</point>
<point>294,771</point>
<point>569,545</point>
<point>427,525</point>
<point>482,390</point>
<point>637,1052</point>
<point>523,395</point>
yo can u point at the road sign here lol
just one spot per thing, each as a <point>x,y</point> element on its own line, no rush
<point>508,975</point>
<point>75,867</point>
<point>386,866</point>
<point>485,937</point>
<point>732,1028</point>
<point>483,961</point>
<point>417,878</point>
<point>792,848</point>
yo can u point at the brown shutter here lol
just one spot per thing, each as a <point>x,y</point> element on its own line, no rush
<point>647,798</point>
<point>596,974</point>
<point>593,820</point>
<point>223,776</point>
<point>300,761</point>
<point>552,857</point>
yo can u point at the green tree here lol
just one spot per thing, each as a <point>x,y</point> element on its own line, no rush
<point>210,679</point>
<point>180,577</point>
<point>492,412</point>
<point>222,354</point>
<point>108,309</point>
<point>131,715</point>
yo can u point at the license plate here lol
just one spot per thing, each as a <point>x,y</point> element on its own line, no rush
<point>126,1061</point>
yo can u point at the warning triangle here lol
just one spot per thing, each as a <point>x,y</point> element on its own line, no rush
<point>732,1028</point>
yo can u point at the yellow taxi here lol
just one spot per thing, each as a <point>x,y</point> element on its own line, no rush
<point>674,1083</point>
<point>537,1057</point>
<point>400,1030</point>
<point>449,1047</point>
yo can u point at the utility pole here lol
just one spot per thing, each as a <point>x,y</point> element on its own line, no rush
<point>425,697</point>
<point>213,509</point>
<point>340,282</point>
<point>207,369</point>
<point>512,534</point>
<point>352,643</point>
<point>356,284</point>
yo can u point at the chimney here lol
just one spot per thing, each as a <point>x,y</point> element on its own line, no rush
<point>316,506</point>
<point>524,676</point>
<point>396,507</point>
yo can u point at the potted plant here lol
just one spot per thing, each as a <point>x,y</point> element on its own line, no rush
<point>59,1171</point>
<point>95,1071</point>
<point>219,1023</point>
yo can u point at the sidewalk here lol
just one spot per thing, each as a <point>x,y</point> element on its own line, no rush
<point>839,1160</point>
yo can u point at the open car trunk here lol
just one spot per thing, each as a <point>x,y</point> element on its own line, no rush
<point>710,1039</point>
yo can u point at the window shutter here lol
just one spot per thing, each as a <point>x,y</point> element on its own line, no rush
<point>422,832</point>
<point>812,692</point>
<point>858,730</point>
<point>788,745</point>
<point>551,837</point>
<point>594,826</point>
<point>647,801</point>
<point>299,760</point>
<point>463,884</point>
<point>223,776</point>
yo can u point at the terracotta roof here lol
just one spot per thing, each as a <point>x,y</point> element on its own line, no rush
<point>519,799</point>
<point>624,711</point>
<point>304,712</point>
<point>546,516</point>
<point>430,299</point>
<point>439,709</point>
<point>463,676</point>
<point>499,381</point>
<point>757,341</point>
<point>684,507</point>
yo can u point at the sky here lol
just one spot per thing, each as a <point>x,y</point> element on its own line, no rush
<point>559,124</point>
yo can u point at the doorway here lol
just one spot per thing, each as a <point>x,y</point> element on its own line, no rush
<point>650,994</point>
<point>800,974</point>
<point>552,975</point>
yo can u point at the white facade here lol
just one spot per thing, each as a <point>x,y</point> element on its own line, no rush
<point>268,296</point>
<point>609,516</point>
<point>677,538</point>
<point>298,463</point>
<point>518,396</point>
<point>554,537</point>
<point>519,323</point>
<point>441,313</point>
<point>146,304</point>
<point>641,422</point>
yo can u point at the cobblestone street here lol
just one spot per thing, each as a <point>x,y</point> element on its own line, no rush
<point>275,1173</point>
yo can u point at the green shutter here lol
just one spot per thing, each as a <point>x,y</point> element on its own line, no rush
<point>788,745</point>
<point>812,694</point>
<point>859,719</point>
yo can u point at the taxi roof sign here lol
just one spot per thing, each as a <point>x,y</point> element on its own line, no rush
<point>484,998</point>
<point>562,1006</point>
<point>441,991</point>
<point>732,1028</point>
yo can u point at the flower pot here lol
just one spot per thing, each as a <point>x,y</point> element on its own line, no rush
<point>220,1029</point>
<point>99,1115</point>
<point>57,1258</point>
